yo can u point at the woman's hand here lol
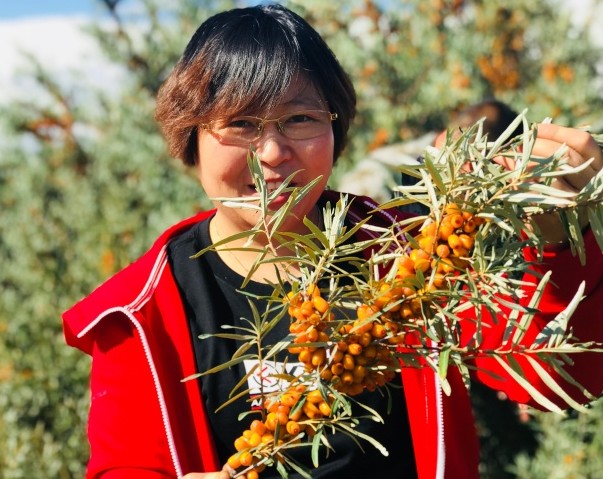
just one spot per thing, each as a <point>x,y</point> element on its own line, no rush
<point>223,474</point>
<point>581,148</point>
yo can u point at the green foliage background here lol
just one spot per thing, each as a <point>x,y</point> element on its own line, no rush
<point>86,185</point>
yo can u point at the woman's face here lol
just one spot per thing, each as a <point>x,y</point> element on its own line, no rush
<point>223,170</point>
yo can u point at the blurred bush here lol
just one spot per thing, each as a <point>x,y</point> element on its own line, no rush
<point>86,183</point>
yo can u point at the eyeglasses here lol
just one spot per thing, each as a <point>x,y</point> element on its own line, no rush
<point>298,125</point>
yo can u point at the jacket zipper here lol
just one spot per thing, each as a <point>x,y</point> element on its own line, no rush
<point>441,445</point>
<point>137,303</point>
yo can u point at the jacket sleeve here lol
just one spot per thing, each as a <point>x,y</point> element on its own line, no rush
<point>125,428</point>
<point>586,324</point>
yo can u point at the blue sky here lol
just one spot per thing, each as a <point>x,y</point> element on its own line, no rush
<point>51,30</point>
<point>13,9</point>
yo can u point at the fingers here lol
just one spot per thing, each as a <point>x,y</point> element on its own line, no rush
<point>576,181</point>
<point>577,140</point>
<point>581,148</point>
<point>207,475</point>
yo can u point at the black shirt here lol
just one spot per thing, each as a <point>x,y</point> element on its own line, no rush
<point>212,298</point>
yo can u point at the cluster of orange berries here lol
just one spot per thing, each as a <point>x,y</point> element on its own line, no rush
<point>346,358</point>
<point>443,247</point>
<point>286,418</point>
<point>356,354</point>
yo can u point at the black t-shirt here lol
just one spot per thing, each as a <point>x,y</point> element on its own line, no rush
<point>212,298</point>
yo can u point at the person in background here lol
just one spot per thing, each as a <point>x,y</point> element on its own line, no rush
<point>262,76</point>
<point>378,174</point>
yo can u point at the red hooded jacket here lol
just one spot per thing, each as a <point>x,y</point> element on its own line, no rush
<point>146,423</point>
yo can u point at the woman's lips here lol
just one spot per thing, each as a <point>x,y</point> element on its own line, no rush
<point>271,186</point>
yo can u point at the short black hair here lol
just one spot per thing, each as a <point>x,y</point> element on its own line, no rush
<point>497,115</point>
<point>244,60</point>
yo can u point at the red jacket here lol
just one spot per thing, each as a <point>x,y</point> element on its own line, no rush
<point>146,423</point>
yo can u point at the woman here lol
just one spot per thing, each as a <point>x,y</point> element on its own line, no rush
<point>261,76</point>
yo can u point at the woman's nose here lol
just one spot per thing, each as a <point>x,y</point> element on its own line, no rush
<point>273,147</point>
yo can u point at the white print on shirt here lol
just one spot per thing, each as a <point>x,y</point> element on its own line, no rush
<point>267,376</point>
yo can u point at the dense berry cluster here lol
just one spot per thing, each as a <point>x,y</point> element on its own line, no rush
<point>359,353</point>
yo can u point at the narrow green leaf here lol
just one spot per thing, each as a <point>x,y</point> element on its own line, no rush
<point>514,370</point>
<point>554,332</point>
<point>553,385</point>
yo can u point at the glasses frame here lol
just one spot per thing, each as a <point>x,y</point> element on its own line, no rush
<point>261,126</point>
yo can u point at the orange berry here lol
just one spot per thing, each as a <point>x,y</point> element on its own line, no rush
<point>417,254</point>
<point>314,396</point>
<point>355,349</point>
<point>313,290</point>
<point>422,265</point>
<point>234,461</point>
<point>405,273</point>
<point>469,225</point>
<point>253,474</point>
<point>359,372</point>
<point>289,399</point>
<point>447,265</point>
<point>452,208</point>
<point>362,326</point>
<point>370,352</point>
<point>324,408</point>
<point>443,251</point>
<point>347,378</point>
<point>306,308</point>
<point>337,369</point>
<point>241,443</point>
<point>246,458</point>
<point>365,339</point>
<point>319,357</point>
<point>296,415</point>
<point>460,252</point>
<point>305,356</point>
<point>337,356</point>
<point>378,331</point>
<point>439,280</point>
<point>365,311</point>
<point>345,329</point>
<point>293,428</point>
<point>311,410</point>
<point>311,334</point>
<point>406,311</point>
<point>454,241</point>
<point>466,241</point>
<point>320,304</point>
<point>355,388</point>
<point>282,417</point>
<point>271,421</point>
<point>326,375</point>
<point>255,439</point>
<point>429,229</point>
<point>426,243</point>
<point>348,362</point>
<point>456,221</point>
<point>445,231</point>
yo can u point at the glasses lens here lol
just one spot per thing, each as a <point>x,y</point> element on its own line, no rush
<point>298,125</point>
<point>306,124</point>
<point>239,130</point>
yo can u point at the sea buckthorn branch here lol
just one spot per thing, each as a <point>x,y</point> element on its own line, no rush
<point>407,303</point>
